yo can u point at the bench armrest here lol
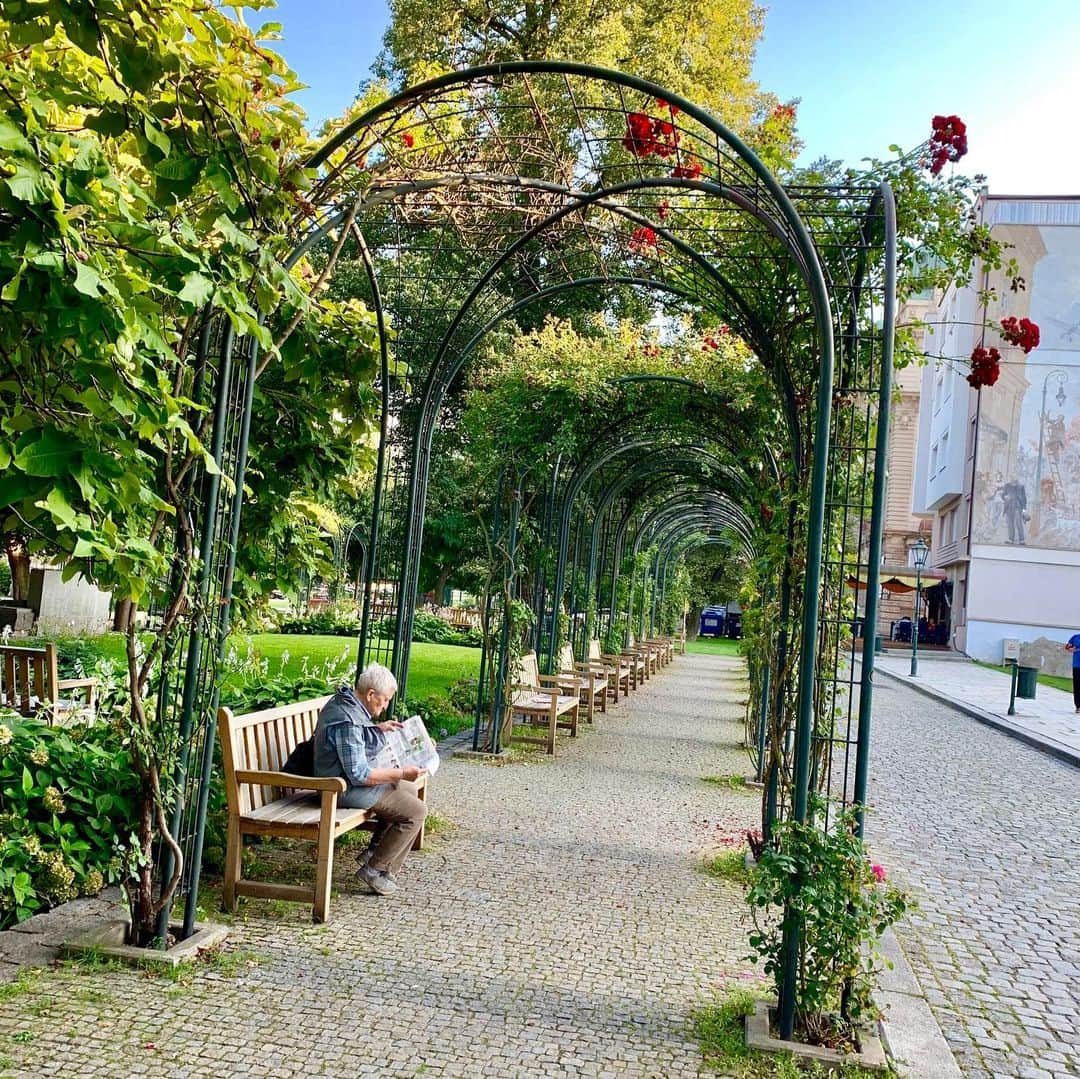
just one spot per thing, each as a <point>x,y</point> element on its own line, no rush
<point>76,683</point>
<point>287,779</point>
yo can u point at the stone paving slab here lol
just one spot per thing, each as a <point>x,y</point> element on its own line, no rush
<point>1050,721</point>
<point>985,832</point>
<point>561,928</point>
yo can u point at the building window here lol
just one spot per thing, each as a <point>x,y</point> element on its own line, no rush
<point>944,450</point>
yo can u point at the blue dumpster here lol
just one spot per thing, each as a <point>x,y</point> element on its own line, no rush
<point>711,623</point>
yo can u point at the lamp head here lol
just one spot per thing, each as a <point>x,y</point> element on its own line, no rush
<point>1060,395</point>
<point>919,553</point>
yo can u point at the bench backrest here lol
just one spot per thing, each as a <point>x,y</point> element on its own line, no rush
<point>566,658</point>
<point>594,649</point>
<point>526,672</point>
<point>28,677</point>
<point>262,741</point>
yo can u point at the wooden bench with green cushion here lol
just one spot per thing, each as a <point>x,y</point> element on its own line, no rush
<point>263,800</point>
<point>537,702</point>
<point>31,684</point>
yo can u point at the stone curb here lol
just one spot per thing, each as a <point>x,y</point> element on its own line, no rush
<point>917,1049</point>
<point>1021,734</point>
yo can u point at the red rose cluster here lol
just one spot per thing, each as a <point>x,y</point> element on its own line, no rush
<point>985,367</point>
<point>643,240</point>
<point>646,136</point>
<point>1020,332</point>
<point>687,172</point>
<point>948,141</point>
<point>649,136</point>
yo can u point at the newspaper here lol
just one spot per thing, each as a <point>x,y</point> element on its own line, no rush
<point>410,745</point>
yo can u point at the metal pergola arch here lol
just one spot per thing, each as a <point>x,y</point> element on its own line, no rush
<point>347,195</point>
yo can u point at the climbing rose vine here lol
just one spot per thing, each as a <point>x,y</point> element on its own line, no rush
<point>985,367</point>
<point>1020,332</point>
<point>948,141</point>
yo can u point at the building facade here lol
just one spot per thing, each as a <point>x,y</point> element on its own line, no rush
<point>998,469</point>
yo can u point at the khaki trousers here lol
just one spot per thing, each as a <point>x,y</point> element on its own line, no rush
<point>399,815</point>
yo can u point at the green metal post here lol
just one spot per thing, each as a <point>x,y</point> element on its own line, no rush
<point>877,512</point>
<point>804,724</point>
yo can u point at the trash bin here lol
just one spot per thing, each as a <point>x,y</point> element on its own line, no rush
<point>1026,682</point>
<point>879,645</point>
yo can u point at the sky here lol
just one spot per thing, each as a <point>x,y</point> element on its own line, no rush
<point>868,74</point>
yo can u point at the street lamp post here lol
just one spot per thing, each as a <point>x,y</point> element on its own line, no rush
<point>1062,377</point>
<point>919,554</point>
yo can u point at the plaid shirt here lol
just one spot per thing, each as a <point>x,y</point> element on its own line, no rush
<point>352,735</point>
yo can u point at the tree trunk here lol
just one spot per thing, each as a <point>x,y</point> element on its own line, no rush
<point>440,586</point>
<point>18,557</point>
<point>122,615</point>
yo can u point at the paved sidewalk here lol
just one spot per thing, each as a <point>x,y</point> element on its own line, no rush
<point>561,928</point>
<point>1049,722</point>
<point>984,831</point>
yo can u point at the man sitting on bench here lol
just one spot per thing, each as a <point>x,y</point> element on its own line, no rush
<point>347,741</point>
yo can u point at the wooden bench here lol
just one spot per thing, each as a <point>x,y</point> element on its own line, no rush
<point>639,665</point>
<point>537,701</point>
<point>621,671</point>
<point>589,680</point>
<point>263,800</point>
<point>31,684</point>
<point>663,648</point>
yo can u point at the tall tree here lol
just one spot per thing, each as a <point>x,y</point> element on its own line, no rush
<point>702,49</point>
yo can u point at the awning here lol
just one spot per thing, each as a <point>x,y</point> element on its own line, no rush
<point>898,583</point>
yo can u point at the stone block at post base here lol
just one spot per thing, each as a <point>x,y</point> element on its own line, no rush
<point>759,1036</point>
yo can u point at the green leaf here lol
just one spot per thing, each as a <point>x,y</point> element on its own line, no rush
<point>50,455</point>
<point>11,138</point>
<point>10,291</point>
<point>156,137</point>
<point>22,887</point>
<point>27,780</point>
<point>61,509</point>
<point>48,260</point>
<point>178,168</point>
<point>234,234</point>
<point>87,280</point>
<point>29,184</point>
<point>197,289</point>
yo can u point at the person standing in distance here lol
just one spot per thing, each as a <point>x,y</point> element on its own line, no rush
<point>347,742</point>
<point>1073,646</point>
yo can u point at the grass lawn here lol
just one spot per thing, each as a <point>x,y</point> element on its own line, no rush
<point>432,667</point>
<point>1054,680</point>
<point>715,646</point>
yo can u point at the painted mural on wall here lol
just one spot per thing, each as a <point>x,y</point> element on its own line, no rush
<point>1027,480</point>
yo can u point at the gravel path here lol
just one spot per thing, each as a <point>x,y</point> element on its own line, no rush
<point>560,928</point>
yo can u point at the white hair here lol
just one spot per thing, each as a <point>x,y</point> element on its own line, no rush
<point>379,678</point>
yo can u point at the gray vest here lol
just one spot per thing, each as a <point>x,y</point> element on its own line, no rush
<point>344,707</point>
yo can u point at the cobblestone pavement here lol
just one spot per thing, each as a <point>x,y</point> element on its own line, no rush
<point>985,831</point>
<point>560,928</point>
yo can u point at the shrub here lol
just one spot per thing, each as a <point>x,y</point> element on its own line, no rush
<point>335,620</point>
<point>844,905</point>
<point>68,798</point>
